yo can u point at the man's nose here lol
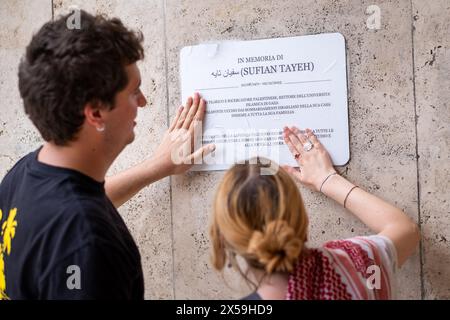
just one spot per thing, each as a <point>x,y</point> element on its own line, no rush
<point>142,101</point>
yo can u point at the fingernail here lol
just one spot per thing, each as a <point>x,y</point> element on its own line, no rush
<point>212,148</point>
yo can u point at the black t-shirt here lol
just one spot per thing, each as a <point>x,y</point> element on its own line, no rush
<point>62,238</point>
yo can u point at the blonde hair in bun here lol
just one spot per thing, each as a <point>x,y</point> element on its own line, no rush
<point>260,217</point>
<point>277,247</point>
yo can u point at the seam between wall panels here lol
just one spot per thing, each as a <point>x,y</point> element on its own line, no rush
<point>419,222</point>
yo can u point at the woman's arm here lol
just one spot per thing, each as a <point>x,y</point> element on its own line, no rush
<point>317,172</point>
<point>380,216</point>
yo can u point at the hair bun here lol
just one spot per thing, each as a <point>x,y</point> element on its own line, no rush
<point>277,247</point>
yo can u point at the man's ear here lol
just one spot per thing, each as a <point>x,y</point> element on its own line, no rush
<point>94,113</point>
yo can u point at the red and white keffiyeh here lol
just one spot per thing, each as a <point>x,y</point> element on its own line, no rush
<point>344,270</point>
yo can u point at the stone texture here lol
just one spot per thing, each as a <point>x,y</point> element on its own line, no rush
<point>19,20</point>
<point>432,55</point>
<point>381,109</point>
<point>148,214</point>
<point>394,154</point>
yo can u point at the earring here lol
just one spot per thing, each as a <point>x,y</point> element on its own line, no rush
<point>100,129</point>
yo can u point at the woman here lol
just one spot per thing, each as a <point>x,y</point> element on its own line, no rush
<point>261,217</point>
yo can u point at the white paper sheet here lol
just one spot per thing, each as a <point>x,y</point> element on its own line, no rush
<point>255,88</point>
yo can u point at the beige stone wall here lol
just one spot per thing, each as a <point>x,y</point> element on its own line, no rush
<point>398,81</point>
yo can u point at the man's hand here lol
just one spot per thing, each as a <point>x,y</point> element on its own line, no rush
<point>181,145</point>
<point>179,150</point>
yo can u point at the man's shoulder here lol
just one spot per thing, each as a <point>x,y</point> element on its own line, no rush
<point>84,210</point>
<point>75,218</point>
<point>13,181</point>
<point>18,166</point>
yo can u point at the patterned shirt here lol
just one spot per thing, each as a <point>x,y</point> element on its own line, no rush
<point>360,268</point>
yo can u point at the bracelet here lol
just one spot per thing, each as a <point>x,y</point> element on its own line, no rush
<point>331,174</point>
<point>345,200</point>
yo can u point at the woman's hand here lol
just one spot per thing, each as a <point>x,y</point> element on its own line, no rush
<point>314,165</point>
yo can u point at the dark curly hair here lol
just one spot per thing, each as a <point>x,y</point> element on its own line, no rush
<point>63,69</point>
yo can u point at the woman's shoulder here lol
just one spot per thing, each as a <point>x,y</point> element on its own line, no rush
<point>368,248</point>
<point>339,269</point>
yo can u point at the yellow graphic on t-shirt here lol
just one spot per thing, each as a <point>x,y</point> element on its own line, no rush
<point>8,232</point>
<point>3,295</point>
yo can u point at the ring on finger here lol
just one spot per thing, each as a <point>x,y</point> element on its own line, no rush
<point>308,146</point>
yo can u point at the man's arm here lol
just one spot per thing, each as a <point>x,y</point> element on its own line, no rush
<point>179,139</point>
<point>124,185</point>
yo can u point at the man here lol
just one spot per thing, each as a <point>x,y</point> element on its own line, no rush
<point>61,235</point>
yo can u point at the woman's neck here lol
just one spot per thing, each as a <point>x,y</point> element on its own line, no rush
<point>271,287</point>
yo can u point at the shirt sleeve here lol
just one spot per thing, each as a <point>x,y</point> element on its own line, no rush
<point>373,260</point>
<point>385,248</point>
<point>382,252</point>
<point>92,272</point>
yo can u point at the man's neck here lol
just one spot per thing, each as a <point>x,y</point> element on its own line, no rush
<point>88,160</point>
